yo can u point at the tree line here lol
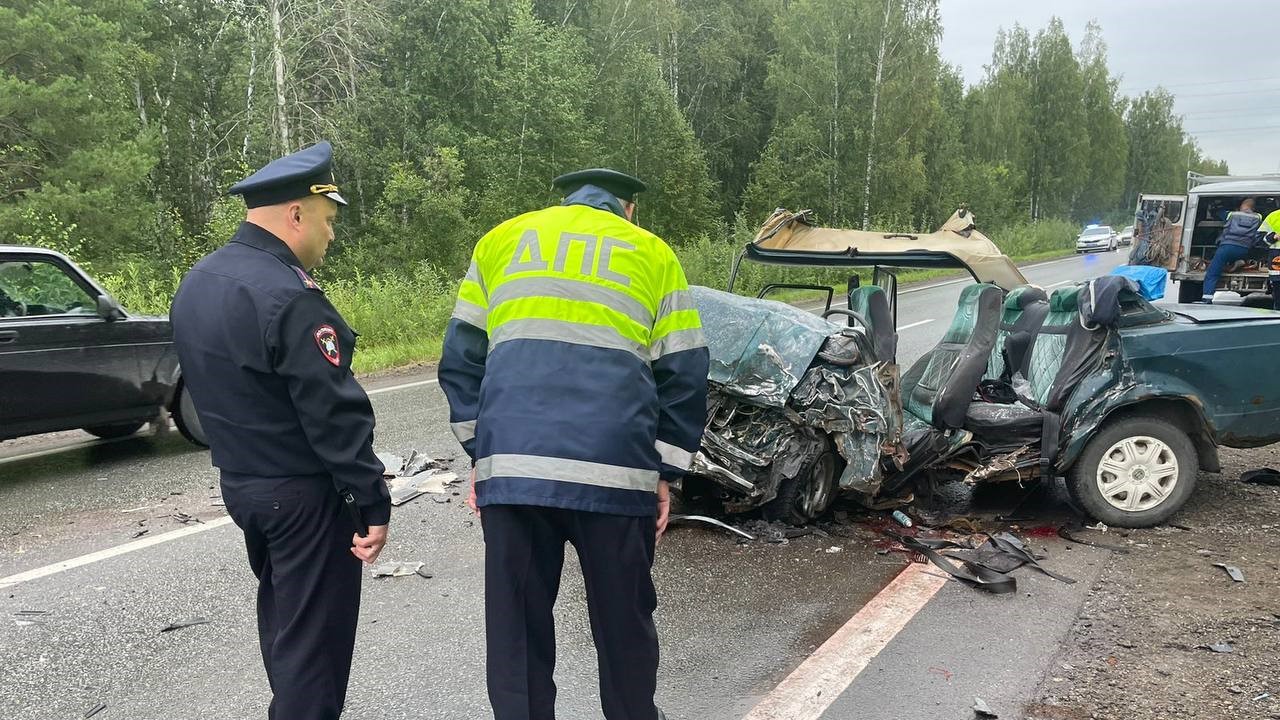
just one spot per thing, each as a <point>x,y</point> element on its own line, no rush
<point>123,121</point>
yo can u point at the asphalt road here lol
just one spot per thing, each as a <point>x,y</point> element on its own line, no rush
<point>734,619</point>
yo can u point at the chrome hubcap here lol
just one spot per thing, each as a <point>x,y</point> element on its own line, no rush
<point>1137,473</point>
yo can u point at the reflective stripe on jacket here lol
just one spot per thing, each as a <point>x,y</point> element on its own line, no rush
<point>574,363</point>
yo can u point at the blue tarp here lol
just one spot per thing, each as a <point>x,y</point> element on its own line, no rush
<point>1151,280</point>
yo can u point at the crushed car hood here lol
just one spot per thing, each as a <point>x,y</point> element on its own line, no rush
<point>813,379</point>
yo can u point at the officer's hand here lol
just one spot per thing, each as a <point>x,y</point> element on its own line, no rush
<point>471,497</point>
<point>664,506</point>
<point>368,548</point>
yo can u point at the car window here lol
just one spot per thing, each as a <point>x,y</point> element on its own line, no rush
<point>38,287</point>
<point>1097,231</point>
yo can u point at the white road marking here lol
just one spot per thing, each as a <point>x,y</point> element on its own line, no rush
<point>55,568</point>
<point>1060,282</point>
<point>926,321</point>
<point>404,386</point>
<point>810,689</point>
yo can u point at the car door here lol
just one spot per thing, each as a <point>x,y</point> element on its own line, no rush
<point>63,365</point>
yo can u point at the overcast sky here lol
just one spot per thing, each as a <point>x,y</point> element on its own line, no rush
<point>1223,68</point>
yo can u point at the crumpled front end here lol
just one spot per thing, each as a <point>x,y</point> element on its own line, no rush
<point>786,387</point>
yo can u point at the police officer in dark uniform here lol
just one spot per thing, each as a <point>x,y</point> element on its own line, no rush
<point>268,361</point>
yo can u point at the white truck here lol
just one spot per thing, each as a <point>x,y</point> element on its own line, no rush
<point>1180,232</point>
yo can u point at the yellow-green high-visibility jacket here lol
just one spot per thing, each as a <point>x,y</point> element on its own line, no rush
<point>574,364</point>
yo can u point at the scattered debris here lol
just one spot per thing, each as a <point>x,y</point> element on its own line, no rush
<point>981,710</point>
<point>184,624</point>
<point>1261,476</point>
<point>986,566</point>
<point>901,518</point>
<point>140,509</point>
<point>711,521</point>
<point>396,569</point>
<point>1100,526</point>
<point>95,710</point>
<point>400,474</point>
<point>1231,570</point>
<point>1263,696</point>
<point>834,549</point>
<point>1222,647</point>
<point>140,533</point>
<point>405,488</point>
<point>423,573</point>
<point>185,518</point>
<point>1068,534</point>
<point>945,673</point>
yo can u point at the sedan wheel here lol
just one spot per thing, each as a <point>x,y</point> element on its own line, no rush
<point>185,417</point>
<point>111,432</point>
<point>803,498</point>
<point>1136,472</point>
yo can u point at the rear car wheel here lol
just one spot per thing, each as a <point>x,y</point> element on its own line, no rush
<point>806,496</point>
<point>118,430</point>
<point>1190,291</point>
<point>1136,472</point>
<point>184,416</point>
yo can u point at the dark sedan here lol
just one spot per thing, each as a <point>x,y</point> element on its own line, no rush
<point>71,357</point>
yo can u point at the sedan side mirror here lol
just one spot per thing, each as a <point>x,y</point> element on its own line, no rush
<point>109,309</point>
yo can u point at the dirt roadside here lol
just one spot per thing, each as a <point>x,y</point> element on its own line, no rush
<point>1139,650</point>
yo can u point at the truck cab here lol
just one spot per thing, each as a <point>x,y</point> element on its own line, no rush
<point>1180,232</point>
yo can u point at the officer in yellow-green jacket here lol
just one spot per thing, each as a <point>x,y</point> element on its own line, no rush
<point>576,374</point>
<point>1270,230</point>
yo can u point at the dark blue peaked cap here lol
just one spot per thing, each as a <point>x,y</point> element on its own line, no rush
<point>621,185</point>
<point>306,172</point>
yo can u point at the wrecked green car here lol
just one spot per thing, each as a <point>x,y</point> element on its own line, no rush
<point>1125,400</point>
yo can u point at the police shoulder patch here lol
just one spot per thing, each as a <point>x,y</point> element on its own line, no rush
<point>327,341</point>
<point>307,282</point>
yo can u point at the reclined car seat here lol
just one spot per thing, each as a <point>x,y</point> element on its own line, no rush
<point>1025,308</point>
<point>943,381</point>
<point>870,302</point>
<point>1061,353</point>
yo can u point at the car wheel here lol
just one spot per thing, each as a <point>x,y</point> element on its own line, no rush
<point>185,417</point>
<point>1136,472</point>
<point>118,430</point>
<point>805,497</point>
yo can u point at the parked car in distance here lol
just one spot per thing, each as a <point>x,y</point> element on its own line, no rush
<point>1126,235</point>
<point>1097,238</point>
<point>71,357</point>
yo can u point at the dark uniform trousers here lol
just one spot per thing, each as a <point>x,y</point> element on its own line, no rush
<point>524,553</point>
<point>298,536</point>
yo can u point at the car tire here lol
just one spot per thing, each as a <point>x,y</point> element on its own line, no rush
<point>1190,291</point>
<point>1136,472</point>
<point>185,417</point>
<point>116,430</point>
<point>806,496</point>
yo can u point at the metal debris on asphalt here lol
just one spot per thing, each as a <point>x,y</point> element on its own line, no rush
<point>1263,696</point>
<point>184,624</point>
<point>710,521</point>
<point>981,710</point>
<point>1231,570</point>
<point>396,569</point>
<point>95,710</point>
<point>184,518</point>
<point>834,549</point>
<point>140,533</point>
<point>140,509</point>
<point>1068,533</point>
<point>1222,647</point>
<point>1261,476</point>
<point>401,476</point>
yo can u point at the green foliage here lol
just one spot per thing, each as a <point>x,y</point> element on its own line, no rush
<point>123,121</point>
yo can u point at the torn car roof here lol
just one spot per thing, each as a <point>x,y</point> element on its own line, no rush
<point>791,237</point>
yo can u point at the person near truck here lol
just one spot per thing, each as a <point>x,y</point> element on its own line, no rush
<point>1270,230</point>
<point>1239,235</point>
